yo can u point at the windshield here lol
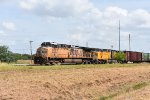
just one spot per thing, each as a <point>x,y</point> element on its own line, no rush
<point>41,52</point>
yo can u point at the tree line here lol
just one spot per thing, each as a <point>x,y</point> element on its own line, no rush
<point>8,56</point>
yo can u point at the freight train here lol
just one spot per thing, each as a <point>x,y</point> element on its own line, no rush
<point>51,53</point>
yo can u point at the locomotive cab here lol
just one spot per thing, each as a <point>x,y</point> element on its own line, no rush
<point>41,55</point>
<point>42,52</point>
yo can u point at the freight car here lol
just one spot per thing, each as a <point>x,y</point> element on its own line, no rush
<point>131,56</point>
<point>146,57</point>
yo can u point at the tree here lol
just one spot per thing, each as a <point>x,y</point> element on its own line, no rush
<point>120,57</point>
<point>8,56</point>
<point>3,53</point>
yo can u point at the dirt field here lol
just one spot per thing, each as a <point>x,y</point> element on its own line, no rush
<point>117,83</point>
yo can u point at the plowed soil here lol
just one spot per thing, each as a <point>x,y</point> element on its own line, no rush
<point>75,84</point>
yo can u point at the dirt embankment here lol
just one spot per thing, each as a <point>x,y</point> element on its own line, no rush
<point>71,84</point>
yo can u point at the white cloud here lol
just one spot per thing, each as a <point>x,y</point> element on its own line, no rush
<point>141,18</point>
<point>102,27</point>
<point>57,8</point>
<point>28,5</point>
<point>90,23</point>
<point>116,11</point>
<point>76,37</point>
<point>10,26</point>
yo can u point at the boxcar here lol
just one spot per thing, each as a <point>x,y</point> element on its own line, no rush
<point>146,57</point>
<point>134,57</point>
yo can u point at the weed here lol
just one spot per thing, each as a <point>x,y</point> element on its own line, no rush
<point>108,97</point>
<point>139,85</point>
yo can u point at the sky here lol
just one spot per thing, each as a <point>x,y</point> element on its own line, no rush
<point>75,22</point>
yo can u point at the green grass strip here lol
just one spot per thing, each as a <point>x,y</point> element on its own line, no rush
<point>139,85</point>
<point>108,97</point>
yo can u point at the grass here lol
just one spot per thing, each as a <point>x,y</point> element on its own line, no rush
<point>108,97</point>
<point>139,85</point>
<point>8,67</point>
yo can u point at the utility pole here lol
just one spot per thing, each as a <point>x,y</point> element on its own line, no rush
<point>119,35</point>
<point>129,42</point>
<point>112,47</point>
<point>86,44</point>
<point>31,49</point>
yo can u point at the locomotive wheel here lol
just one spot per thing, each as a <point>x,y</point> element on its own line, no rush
<point>58,63</point>
<point>89,62</point>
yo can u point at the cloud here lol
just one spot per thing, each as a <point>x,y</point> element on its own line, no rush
<point>90,23</point>
<point>84,10</point>
<point>57,8</point>
<point>10,26</point>
<point>141,18</point>
<point>101,28</point>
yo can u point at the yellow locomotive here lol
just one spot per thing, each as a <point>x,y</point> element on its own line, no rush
<point>50,53</point>
<point>102,56</point>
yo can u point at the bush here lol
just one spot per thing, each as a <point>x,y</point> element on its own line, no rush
<point>120,57</point>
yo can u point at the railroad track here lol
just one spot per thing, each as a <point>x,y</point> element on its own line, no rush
<point>27,65</point>
<point>44,65</point>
